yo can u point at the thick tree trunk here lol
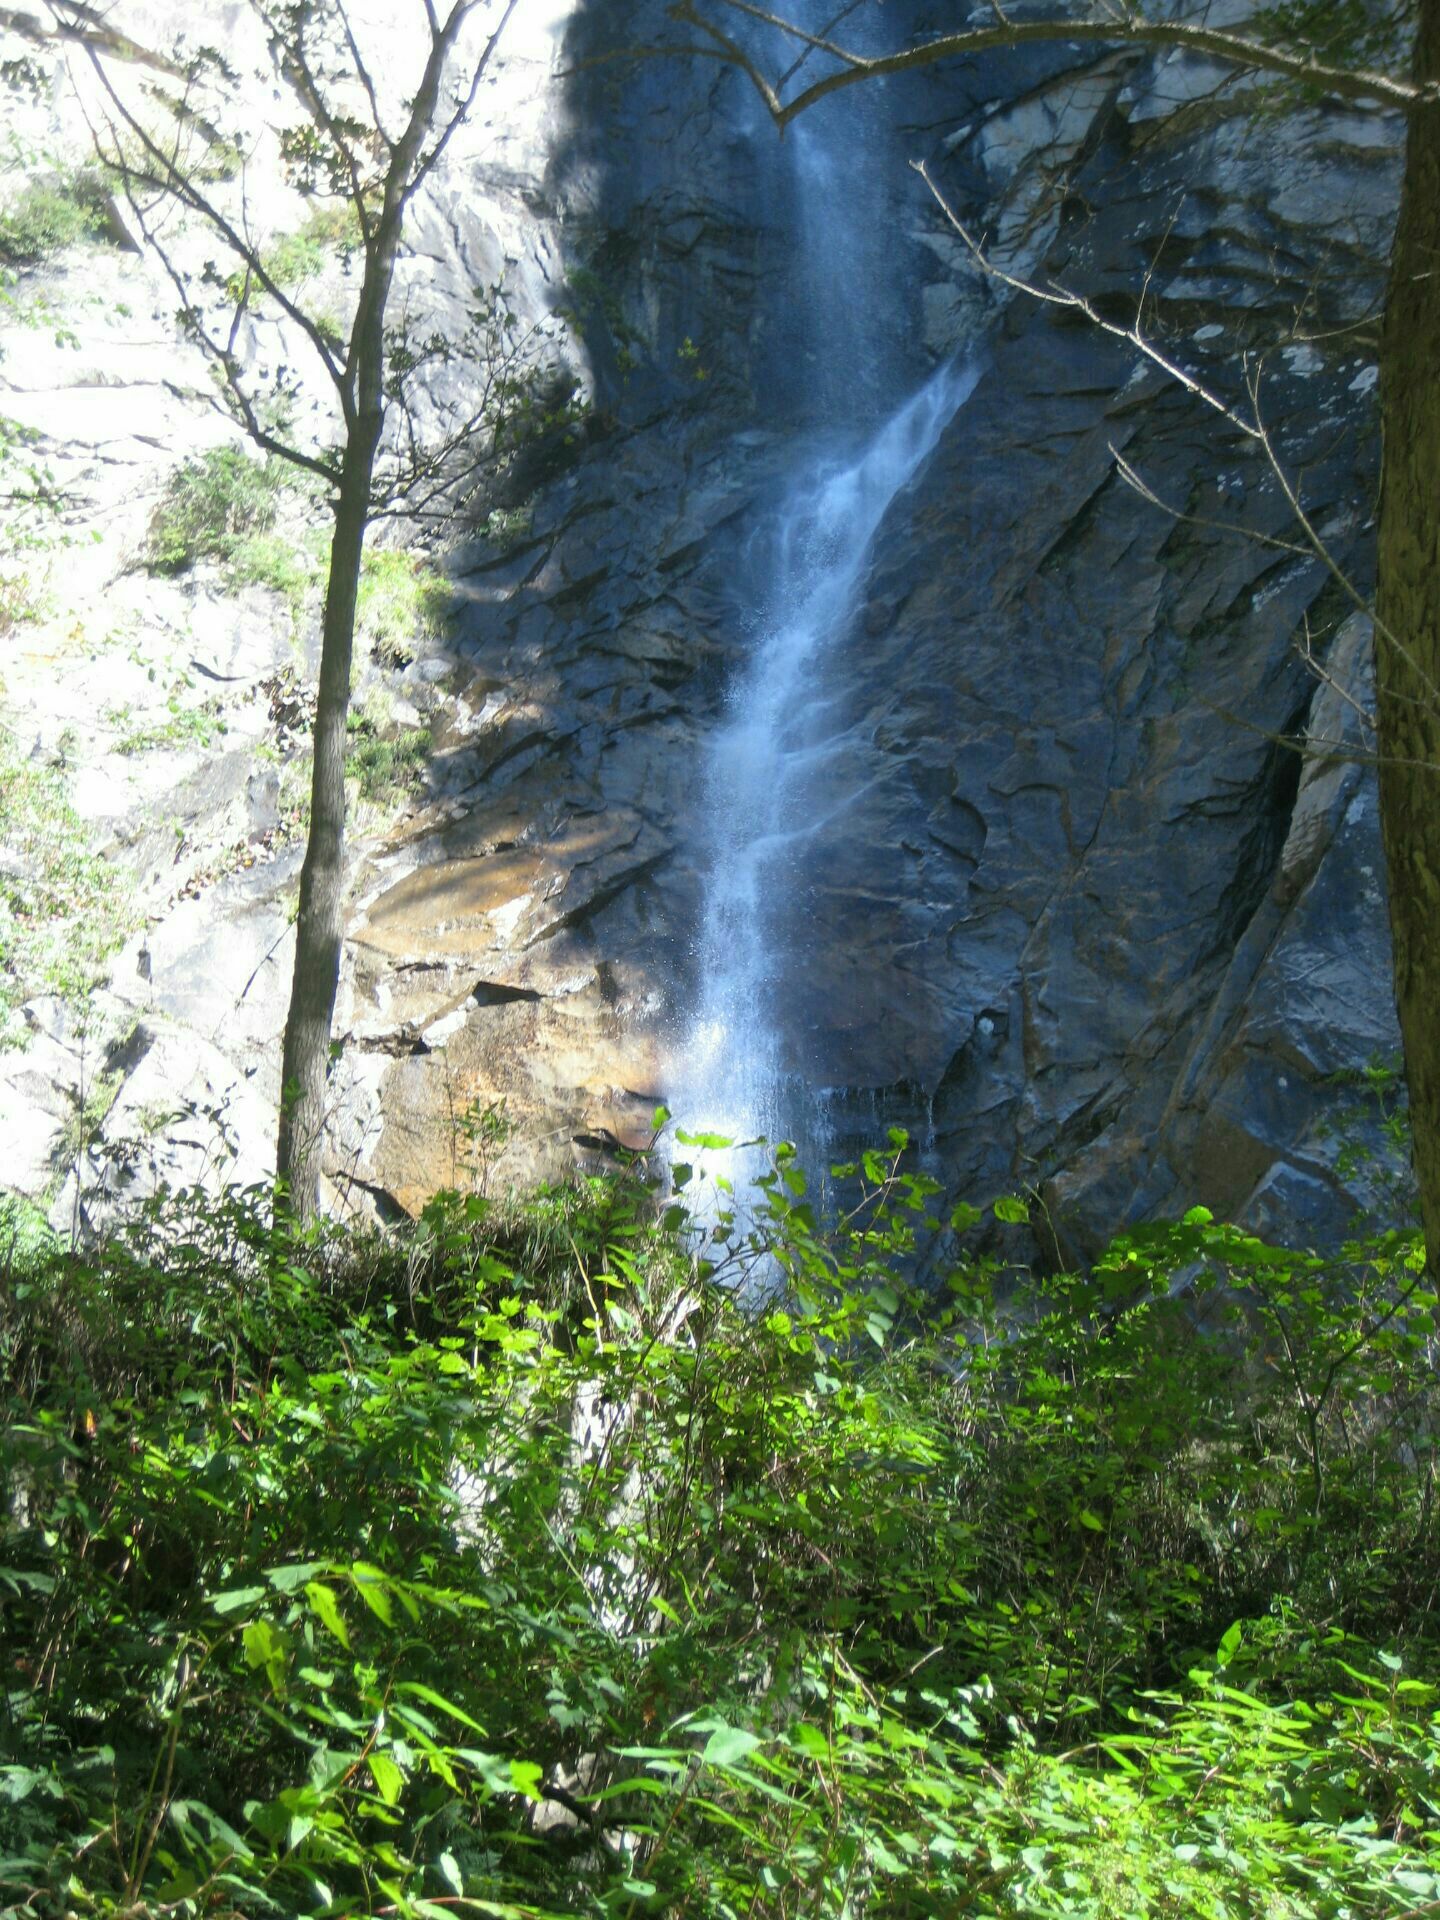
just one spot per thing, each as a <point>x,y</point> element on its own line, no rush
<point>1407,643</point>
<point>319,929</point>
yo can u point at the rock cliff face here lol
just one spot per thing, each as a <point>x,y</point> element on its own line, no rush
<point>1084,922</point>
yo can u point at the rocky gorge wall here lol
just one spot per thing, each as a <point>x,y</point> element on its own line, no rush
<point>1087,927</point>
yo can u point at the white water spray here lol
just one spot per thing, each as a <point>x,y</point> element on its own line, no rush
<point>737,1072</point>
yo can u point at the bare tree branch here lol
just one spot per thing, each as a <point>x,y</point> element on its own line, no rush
<point>87,27</point>
<point>298,74</point>
<point>457,19</point>
<point>172,179</point>
<point>1322,673</point>
<point>851,6</point>
<point>362,73</point>
<point>1207,42</point>
<point>1063,297</point>
<point>1253,429</point>
<point>733,54</point>
<point>1138,484</point>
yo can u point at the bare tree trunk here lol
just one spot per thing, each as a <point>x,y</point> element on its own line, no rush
<point>319,928</point>
<point>1407,646</point>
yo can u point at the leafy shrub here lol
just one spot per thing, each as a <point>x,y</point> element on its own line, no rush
<point>184,726</point>
<point>215,508</point>
<point>516,1565</point>
<point>387,763</point>
<point>62,907</point>
<point>49,215</point>
<point>270,560</point>
<point>403,599</point>
<point>329,232</point>
<point>18,600</point>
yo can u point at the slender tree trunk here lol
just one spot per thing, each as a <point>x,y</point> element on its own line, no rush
<point>319,929</point>
<point>1407,645</point>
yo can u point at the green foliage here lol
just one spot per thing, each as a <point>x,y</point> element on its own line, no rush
<point>329,232</point>
<point>62,907</point>
<point>386,762</point>
<point>588,292</point>
<point>47,216</point>
<point>224,507</point>
<point>1372,1131</point>
<point>31,509</point>
<point>19,600</point>
<point>509,527</point>
<point>559,1558</point>
<point>1343,32</point>
<point>403,599</point>
<point>218,507</point>
<point>267,559</point>
<point>184,726</point>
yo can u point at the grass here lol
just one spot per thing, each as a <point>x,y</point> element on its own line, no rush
<point>63,909</point>
<point>268,559</point>
<point>402,603</point>
<point>186,727</point>
<point>387,763</point>
<point>50,215</point>
<point>213,507</point>
<point>224,507</point>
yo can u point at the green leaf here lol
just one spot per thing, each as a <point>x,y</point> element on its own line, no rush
<point>1014,1211</point>
<point>327,1608</point>
<point>370,1585</point>
<point>236,1598</point>
<point>264,1647</point>
<point>389,1780</point>
<point>728,1745</point>
<point>417,1690</point>
<point>288,1579</point>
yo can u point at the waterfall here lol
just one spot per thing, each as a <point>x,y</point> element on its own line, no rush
<point>777,778</point>
<point>764,785</point>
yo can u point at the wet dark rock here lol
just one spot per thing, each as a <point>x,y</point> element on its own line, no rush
<point>1087,924</point>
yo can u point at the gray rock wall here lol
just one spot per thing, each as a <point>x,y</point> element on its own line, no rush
<point>1090,926</point>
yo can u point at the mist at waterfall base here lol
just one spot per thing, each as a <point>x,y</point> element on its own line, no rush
<point>771,797</point>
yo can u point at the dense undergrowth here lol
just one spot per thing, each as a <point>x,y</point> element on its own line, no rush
<point>523,1565</point>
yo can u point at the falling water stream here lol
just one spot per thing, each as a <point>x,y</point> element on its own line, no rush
<point>738,1073</point>
<point>779,778</point>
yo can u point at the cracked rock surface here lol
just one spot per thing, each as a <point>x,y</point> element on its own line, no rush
<point>1090,924</point>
